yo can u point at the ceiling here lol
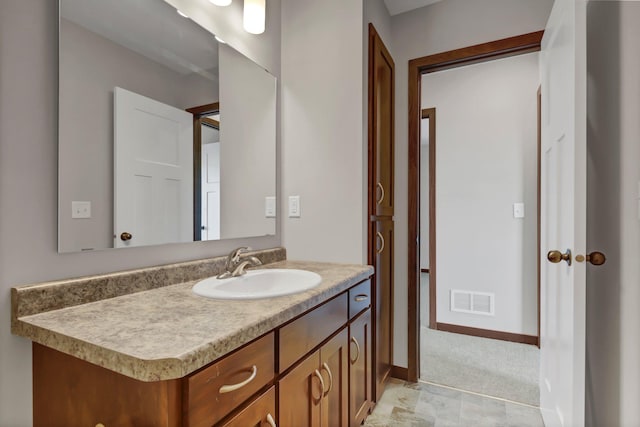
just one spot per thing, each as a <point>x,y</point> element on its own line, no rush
<point>396,7</point>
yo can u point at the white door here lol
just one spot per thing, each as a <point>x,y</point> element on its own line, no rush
<point>153,171</point>
<point>210,189</point>
<point>563,207</point>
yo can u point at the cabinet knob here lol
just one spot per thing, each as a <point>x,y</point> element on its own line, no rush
<point>557,256</point>
<point>595,258</point>
<point>271,421</point>
<point>379,201</point>
<point>126,236</point>
<point>99,425</point>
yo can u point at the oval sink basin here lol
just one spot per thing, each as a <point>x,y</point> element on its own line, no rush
<point>258,284</point>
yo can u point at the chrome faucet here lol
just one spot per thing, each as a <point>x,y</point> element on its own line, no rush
<point>234,267</point>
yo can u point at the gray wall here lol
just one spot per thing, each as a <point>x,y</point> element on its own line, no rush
<point>613,226</point>
<point>28,178</point>
<point>437,28</point>
<point>486,161</point>
<point>322,138</point>
<point>248,146</point>
<point>90,67</point>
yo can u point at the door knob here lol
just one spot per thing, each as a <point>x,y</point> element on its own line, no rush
<point>126,236</point>
<point>557,256</point>
<point>595,258</point>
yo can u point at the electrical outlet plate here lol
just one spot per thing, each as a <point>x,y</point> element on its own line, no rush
<point>80,210</point>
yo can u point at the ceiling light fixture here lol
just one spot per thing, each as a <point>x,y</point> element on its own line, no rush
<point>221,2</point>
<point>254,15</point>
<point>181,13</point>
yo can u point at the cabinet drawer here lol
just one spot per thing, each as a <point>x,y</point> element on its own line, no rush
<point>306,332</point>
<point>359,298</point>
<point>221,387</point>
<point>261,412</point>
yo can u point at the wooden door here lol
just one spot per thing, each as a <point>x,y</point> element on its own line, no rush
<point>359,368</point>
<point>563,220</point>
<point>381,198</point>
<point>260,413</point>
<point>153,171</point>
<point>300,394</point>
<point>334,368</point>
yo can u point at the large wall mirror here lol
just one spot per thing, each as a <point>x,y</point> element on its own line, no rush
<point>165,134</point>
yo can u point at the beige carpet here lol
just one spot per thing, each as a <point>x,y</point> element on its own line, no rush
<point>496,368</point>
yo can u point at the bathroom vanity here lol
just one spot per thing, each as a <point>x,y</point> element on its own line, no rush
<point>167,357</point>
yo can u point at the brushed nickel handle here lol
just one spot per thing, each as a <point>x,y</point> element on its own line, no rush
<point>595,258</point>
<point>126,236</point>
<point>355,341</point>
<point>361,297</point>
<point>326,368</point>
<point>379,201</point>
<point>379,251</point>
<point>271,421</point>
<point>557,256</point>
<point>319,376</point>
<point>233,387</point>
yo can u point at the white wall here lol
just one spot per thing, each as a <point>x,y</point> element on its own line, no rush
<point>613,225</point>
<point>437,28</point>
<point>28,180</point>
<point>486,161</point>
<point>322,136</point>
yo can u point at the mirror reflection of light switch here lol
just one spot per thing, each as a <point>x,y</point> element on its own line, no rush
<point>270,207</point>
<point>518,210</point>
<point>294,206</point>
<point>80,210</point>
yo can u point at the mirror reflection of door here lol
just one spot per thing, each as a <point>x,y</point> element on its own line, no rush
<point>210,177</point>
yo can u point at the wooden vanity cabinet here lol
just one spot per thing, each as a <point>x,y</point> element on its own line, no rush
<point>314,371</point>
<point>360,356</point>
<point>315,392</point>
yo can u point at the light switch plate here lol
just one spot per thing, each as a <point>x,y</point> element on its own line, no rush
<point>80,210</point>
<point>518,210</point>
<point>294,206</point>
<point>270,207</point>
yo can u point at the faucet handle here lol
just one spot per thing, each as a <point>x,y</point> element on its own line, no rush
<point>235,254</point>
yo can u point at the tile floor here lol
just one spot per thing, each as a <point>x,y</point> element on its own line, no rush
<point>428,405</point>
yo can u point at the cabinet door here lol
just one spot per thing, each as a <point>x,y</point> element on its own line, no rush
<point>360,368</point>
<point>300,394</point>
<point>260,413</point>
<point>381,124</point>
<point>383,302</point>
<point>334,368</point>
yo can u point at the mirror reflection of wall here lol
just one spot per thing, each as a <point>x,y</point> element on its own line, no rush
<point>150,52</point>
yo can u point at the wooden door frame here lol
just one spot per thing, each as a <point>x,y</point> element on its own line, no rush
<point>199,118</point>
<point>503,48</point>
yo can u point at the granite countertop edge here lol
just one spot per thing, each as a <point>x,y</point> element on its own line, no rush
<point>183,362</point>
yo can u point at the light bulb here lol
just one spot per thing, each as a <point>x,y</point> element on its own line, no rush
<point>221,2</point>
<point>254,16</point>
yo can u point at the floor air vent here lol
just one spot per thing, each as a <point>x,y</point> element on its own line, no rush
<point>472,302</point>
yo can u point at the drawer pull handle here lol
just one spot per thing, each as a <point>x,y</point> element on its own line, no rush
<point>326,368</point>
<point>271,421</point>
<point>234,387</point>
<point>319,375</point>
<point>355,341</point>
<point>361,297</point>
